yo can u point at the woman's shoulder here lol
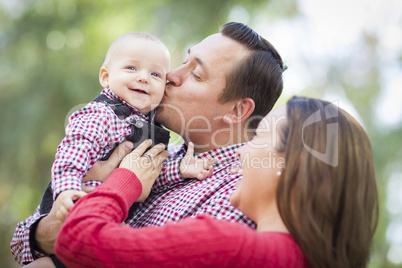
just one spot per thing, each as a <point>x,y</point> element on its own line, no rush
<point>282,250</point>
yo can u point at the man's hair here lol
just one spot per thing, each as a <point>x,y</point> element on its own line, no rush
<point>141,35</point>
<point>258,76</point>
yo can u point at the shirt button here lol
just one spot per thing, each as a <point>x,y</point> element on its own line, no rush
<point>138,124</point>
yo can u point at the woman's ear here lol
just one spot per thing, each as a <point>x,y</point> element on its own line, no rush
<point>241,110</point>
<point>104,77</point>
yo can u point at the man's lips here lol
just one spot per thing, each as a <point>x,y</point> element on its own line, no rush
<point>168,85</point>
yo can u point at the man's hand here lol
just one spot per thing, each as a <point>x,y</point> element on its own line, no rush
<point>44,262</point>
<point>64,203</point>
<point>193,167</point>
<point>49,226</point>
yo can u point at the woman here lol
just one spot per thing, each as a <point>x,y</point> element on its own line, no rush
<point>314,203</point>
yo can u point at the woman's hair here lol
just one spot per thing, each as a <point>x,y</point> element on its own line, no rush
<point>327,195</point>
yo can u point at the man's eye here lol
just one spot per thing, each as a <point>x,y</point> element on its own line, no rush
<point>196,76</point>
<point>131,68</point>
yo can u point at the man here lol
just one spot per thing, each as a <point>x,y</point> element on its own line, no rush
<point>215,100</point>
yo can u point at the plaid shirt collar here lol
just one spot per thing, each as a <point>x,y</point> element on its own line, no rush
<point>225,155</point>
<point>111,95</point>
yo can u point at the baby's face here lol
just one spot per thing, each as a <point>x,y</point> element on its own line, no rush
<point>136,72</point>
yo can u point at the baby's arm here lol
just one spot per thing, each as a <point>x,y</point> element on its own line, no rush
<point>193,167</point>
<point>61,206</point>
<point>86,138</point>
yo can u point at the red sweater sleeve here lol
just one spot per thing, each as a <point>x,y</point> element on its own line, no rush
<point>92,236</point>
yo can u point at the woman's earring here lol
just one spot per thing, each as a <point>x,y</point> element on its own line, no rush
<point>279,173</point>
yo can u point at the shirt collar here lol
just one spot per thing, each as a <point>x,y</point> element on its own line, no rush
<point>225,154</point>
<point>110,94</point>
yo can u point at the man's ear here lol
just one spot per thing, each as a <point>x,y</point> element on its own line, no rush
<point>241,110</point>
<point>104,77</point>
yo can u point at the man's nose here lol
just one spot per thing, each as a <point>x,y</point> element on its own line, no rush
<point>175,77</point>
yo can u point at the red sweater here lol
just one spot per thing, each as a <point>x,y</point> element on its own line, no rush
<point>92,236</point>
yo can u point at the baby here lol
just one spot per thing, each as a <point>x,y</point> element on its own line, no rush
<point>133,76</point>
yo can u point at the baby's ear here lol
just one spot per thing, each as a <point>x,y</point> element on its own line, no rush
<point>104,77</point>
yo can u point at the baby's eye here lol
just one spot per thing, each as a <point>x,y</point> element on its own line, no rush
<point>131,68</point>
<point>155,74</point>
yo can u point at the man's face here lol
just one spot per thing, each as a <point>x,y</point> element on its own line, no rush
<point>190,106</point>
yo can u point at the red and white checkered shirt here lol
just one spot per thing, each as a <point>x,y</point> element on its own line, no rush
<point>91,133</point>
<point>172,198</point>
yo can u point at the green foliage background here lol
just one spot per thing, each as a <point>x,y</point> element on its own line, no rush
<point>40,85</point>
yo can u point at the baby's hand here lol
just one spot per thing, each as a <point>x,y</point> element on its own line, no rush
<point>64,202</point>
<point>193,167</point>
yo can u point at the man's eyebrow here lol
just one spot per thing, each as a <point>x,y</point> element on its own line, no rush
<point>199,61</point>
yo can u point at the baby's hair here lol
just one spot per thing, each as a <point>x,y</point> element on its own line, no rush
<point>131,35</point>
